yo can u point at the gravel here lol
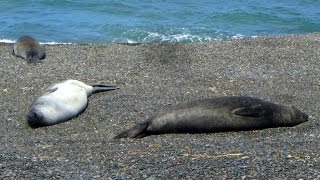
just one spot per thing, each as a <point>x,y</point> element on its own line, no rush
<point>283,70</point>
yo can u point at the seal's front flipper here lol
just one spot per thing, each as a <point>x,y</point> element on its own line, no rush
<point>50,90</point>
<point>253,111</point>
<point>137,131</point>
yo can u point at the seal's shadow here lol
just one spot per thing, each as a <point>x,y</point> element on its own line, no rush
<point>167,54</point>
<point>169,57</point>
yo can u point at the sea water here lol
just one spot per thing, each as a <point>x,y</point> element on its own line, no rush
<point>153,21</point>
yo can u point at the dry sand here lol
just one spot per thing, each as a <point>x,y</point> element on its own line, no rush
<point>283,70</point>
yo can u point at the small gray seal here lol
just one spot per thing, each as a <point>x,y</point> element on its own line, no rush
<point>62,101</point>
<point>217,114</point>
<point>29,48</point>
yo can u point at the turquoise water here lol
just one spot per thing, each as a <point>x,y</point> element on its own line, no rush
<point>98,21</point>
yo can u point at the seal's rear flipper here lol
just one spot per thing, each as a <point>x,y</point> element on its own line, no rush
<point>137,131</point>
<point>101,88</point>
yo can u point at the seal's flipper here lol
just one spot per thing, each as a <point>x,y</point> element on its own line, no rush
<point>101,88</point>
<point>50,90</point>
<point>102,85</point>
<point>254,111</point>
<point>137,131</point>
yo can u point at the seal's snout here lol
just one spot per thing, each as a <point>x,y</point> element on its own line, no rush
<point>305,117</point>
<point>34,118</point>
<point>32,57</point>
<point>35,55</point>
<point>300,116</point>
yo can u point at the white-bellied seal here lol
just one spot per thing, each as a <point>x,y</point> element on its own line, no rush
<point>62,101</point>
<point>29,49</point>
<point>218,114</point>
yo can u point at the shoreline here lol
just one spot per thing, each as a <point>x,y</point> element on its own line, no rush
<point>9,41</point>
<point>283,70</point>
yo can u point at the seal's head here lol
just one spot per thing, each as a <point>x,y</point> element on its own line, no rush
<point>299,115</point>
<point>35,118</point>
<point>290,116</point>
<point>35,54</point>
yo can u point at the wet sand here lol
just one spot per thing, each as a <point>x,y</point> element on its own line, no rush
<point>283,70</point>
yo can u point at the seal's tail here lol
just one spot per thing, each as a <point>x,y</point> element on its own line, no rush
<point>137,131</point>
<point>101,88</point>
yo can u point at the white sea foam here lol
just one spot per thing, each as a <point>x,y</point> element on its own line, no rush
<point>238,36</point>
<point>182,37</point>
<point>6,41</point>
<point>49,43</point>
<point>54,43</point>
<point>176,35</point>
<point>129,41</point>
<point>154,37</point>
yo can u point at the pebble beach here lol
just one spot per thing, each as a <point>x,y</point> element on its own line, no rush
<point>284,70</point>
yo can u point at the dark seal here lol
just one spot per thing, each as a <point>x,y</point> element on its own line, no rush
<point>218,114</point>
<point>29,48</point>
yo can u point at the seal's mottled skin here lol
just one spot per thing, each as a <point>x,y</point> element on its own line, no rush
<point>61,102</point>
<point>234,113</point>
<point>28,48</point>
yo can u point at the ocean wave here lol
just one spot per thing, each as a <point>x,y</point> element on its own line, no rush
<point>153,37</point>
<point>99,22</point>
